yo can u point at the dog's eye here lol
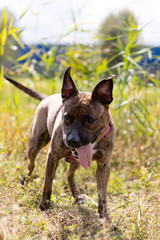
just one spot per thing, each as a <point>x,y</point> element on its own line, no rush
<point>89,119</point>
<point>67,119</point>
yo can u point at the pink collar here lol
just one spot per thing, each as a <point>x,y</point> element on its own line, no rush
<point>107,130</point>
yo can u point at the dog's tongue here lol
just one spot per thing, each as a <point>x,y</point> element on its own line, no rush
<point>85,155</point>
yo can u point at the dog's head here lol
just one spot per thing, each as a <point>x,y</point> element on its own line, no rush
<point>85,115</point>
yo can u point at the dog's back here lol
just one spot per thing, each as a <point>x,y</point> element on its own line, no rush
<point>48,111</point>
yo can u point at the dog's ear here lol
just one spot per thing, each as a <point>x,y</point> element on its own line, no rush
<point>103,91</point>
<point>68,88</point>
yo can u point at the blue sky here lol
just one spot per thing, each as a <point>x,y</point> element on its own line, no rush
<point>50,20</point>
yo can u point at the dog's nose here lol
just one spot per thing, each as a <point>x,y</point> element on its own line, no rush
<point>73,141</point>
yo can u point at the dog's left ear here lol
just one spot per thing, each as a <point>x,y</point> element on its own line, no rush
<point>103,91</point>
<point>68,88</point>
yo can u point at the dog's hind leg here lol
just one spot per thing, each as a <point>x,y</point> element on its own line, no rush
<point>36,143</point>
<point>39,136</point>
<point>70,175</point>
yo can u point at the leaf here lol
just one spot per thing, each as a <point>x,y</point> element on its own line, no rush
<point>137,59</point>
<point>156,82</point>
<point>1,76</point>
<point>126,102</point>
<point>138,118</point>
<point>141,51</point>
<point>34,13</point>
<point>51,59</point>
<point>4,16</point>
<point>102,67</point>
<point>17,40</point>
<point>10,24</point>
<point>12,31</point>
<point>117,65</point>
<point>2,50</point>
<point>19,32</point>
<point>4,35</point>
<point>120,44</point>
<point>142,108</point>
<point>23,57</point>
<point>15,100</point>
<point>116,55</point>
<point>24,12</point>
<point>46,3</point>
<point>110,38</point>
<point>136,64</point>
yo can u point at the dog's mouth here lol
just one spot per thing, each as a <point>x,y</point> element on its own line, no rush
<point>84,154</point>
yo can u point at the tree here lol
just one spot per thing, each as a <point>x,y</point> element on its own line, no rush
<point>114,34</point>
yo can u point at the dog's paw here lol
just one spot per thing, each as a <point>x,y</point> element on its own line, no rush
<point>24,181</point>
<point>114,228</point>
<point>104,220</point>
<point>107,222</point>
<point>44,205</point>
<point>81,199</point>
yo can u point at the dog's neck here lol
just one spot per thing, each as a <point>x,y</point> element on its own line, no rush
<point>107,130</point>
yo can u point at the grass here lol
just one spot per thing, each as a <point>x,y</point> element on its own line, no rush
<point>133,192</point>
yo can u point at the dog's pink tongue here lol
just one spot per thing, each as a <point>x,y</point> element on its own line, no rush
<point>85,155</point>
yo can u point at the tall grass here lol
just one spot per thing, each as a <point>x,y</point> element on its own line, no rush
<point>133,193</point>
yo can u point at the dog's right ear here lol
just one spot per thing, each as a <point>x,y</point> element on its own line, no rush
<point>68,88</point>
<point>103,91</point>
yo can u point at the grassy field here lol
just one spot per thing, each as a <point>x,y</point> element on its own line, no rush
<point>134,185</point>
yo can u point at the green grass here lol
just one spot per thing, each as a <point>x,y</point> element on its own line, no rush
<point>133,191</point>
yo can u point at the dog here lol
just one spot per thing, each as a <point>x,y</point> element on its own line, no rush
<point>78,124</point>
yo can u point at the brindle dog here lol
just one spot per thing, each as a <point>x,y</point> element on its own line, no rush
<point>73,120</point>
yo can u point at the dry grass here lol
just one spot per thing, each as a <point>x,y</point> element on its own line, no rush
<point>133,193</point>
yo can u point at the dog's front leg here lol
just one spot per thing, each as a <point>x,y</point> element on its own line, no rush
<point>102,174</point>
<point>70,175</point>
<point>51,166</point>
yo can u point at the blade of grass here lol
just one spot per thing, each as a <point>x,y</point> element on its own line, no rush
<point>138,118</point>
<point>5,17</point>
<point>1,77</point>
<point>17,40</point>
<point>22,15</point>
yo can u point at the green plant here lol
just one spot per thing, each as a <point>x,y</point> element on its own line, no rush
<point>133,192</point>
<point>9,35</point>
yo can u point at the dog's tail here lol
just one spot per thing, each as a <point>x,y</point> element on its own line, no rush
<point>32,93</point>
